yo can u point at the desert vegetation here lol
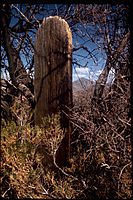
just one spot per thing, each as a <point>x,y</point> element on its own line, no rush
<point>100,164</point>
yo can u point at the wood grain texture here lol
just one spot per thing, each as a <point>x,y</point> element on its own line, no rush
<point>53,70</point>
<point>53,77</point>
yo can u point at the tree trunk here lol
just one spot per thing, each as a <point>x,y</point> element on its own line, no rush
<point>53,70</point>
<point>53,75</point>
<point>101,82</point>
<point>18,74</point>
<point>111,62</point>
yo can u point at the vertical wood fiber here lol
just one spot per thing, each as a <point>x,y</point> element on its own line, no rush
<point>53,75</point>
<point>53,70</point>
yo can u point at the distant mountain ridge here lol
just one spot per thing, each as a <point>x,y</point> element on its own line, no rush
<point>82,84</point>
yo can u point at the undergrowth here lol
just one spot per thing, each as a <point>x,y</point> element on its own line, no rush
<point>100,164</point>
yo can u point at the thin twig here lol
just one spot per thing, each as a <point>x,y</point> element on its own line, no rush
<point>124,121</point>
<point>68,175</point>
<point>6,192</point>
<point>123,169</point>
<point>21,14</point>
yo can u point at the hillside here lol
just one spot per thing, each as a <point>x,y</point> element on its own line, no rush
<point>82,84</point>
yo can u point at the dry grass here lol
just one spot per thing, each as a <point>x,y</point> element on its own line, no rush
<point>100,164</point>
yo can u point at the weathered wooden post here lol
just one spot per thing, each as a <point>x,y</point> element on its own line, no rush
<point>53,69</point>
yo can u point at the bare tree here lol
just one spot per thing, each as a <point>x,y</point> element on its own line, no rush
<point>14,39</point>
<point>100,119</point>
<point>107,27</point>
<point>19,24</point>
<point>100,30</point>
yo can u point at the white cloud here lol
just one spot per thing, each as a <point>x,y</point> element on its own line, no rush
<point>85,73</point>
<point>80,73</point>
<point>96,73</point>
<point>91,75</point>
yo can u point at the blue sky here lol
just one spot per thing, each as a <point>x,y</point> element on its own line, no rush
<point>93,67</point>
<point>92,70</point>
